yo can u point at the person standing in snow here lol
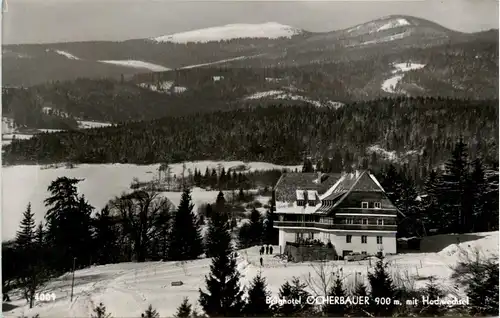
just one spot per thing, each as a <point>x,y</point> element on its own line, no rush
<point>267,249</point>
<point>270,249</point>
<point>261,261</point>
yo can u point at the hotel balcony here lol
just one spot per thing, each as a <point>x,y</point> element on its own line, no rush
<point>368,227</point>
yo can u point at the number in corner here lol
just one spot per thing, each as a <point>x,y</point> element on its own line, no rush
<point>45,296</point>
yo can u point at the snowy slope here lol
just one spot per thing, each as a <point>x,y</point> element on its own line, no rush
<point>66,54</point>
<point>137,64</point>
<point>270,30</point>
<point>111,180</point>
<point>283,95</point>
<point>393,24</point>
<point>127,289</point>
<point>390,84</point>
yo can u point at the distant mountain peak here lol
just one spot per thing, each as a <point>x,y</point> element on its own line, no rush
<point>269,30</point>
<point>396,23</point>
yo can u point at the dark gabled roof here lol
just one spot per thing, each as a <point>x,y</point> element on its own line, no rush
<point>350,183</point>
<point>285,189</point>
<point>366,183</point>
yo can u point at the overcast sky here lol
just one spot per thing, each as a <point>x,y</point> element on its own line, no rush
<point>42,21</point>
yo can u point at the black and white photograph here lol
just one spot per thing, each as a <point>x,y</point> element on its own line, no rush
<point>165,158</point>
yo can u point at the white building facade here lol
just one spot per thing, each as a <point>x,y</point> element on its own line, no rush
<point>349,211</point>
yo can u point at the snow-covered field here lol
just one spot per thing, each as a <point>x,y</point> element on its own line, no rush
<point>393,24</point>
<point>270,30</point>
<point>219,61</point>
<point>102,182</point>
<point>138,64</point>
<point>66,54</point>
<point>127,289</point>
<point>282,95</point>
<point>9,131</point>
<point>91,124</point>
<point>389,84</point>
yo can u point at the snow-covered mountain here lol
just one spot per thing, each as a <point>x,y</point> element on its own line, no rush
<point>270,30</point>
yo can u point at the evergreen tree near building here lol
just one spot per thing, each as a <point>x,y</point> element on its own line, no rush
<point>184,310</point>
<point>220,203</point>
<point>185,238</point>
<point>100,312</point>
<point>381,286</point>
<point>223,295</point>
<point>337,290</point>
<point>296,290</point>
<point>256,227</point>
<point>360,310</point>
<point>218,228</point>
<point>431,203</point>
<point>455,197</point>
<point>479,276</point>
<point>432,291</point>
<point>150,313</point>
<point>256,305</point>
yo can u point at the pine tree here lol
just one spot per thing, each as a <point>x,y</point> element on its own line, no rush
<point>297,292</point>
<point>433,292</point>
<point>150,313</point>
<point>217,231</point>
<point>337,290</point>
<point>478,188</point>
<point>32,271</point>
<point>220,203</point>
<point>360,310</point>
<point>381,287</point>
<point>256,227</point>
<point>185,238</point>
<point>433,219</point>
<point>68,211</point>
<point>224,295</point>
<point>100,312</point>
<point>257,305</point>
<point>455,198</point>
<point>184,310</point>
<point>26,236</point>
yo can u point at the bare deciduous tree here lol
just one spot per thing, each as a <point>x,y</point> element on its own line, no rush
<point>322,277</point>
<point>138,212</point>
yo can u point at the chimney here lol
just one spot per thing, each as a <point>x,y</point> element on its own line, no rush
<point>357,173</point>
<point>319,177</point>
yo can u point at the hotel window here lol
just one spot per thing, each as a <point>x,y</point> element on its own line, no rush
<point>300,202</point>
<point>380,222</point>
<point>348,238</point>
<point>378,205</point>
<point>364,205</point>
<point>312,203</point>
<point>363,252</point>
<point>379,239</point>
<point>364,238</point>
<point>349,221</point>
<point>364,221</point>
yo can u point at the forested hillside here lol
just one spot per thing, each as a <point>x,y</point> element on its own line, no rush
<point>421,130</point>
